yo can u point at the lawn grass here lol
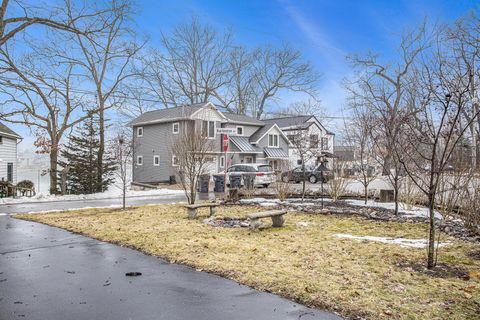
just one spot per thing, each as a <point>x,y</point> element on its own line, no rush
<point>305,263</point>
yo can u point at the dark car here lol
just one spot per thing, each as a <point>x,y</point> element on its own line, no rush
<point>319,173</point>
<point>312,174</point>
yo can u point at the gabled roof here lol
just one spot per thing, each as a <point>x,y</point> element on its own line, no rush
<point>6,131</point>
<point>170,114</point>
<point>296,123</point>
<point>242,119</point>
<point>292,121</point>
<point>257,135</point>
<point>260,133</point>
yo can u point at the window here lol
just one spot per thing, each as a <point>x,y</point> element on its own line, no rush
<point>139,160</point>
<point>175,128</point>
<point>174,161</point>
<point>314,141</point>
<point>222,162</point>
<point>156,160</point>
<point>325,144</point>
<point>208,129</point>
<point>140,132</point>
<point>273,140</point>
<point>299,162</point>
<point>239,131</point>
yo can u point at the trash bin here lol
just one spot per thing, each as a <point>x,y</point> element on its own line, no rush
<point>219,180</point>
<point>203,182</point>
<point>172,180</point>
<point>235,181</point>
<point>248,180</point>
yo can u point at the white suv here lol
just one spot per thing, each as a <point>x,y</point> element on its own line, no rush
<point>264,174</point>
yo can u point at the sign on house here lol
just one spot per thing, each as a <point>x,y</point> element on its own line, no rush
<point>229,131</point>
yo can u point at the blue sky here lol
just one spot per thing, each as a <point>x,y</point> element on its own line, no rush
<point>325,31</point>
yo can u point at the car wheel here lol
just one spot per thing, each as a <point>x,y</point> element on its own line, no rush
<point>285,179</point>
<point>312,179</point>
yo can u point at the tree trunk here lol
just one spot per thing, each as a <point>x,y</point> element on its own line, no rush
<point>53,171</point>
<point>365,186</point>
<point>124,194</point>
<point>101,148</point>
<point>304,182</point>
<point>431,232</point>
<point>395,194</point>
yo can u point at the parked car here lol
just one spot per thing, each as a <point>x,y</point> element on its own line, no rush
<point>296,174</point>
<point>264,173</point>
<point>312,174</point>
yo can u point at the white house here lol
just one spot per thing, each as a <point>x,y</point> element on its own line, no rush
<point>8,154</point>
<point>321,140</point>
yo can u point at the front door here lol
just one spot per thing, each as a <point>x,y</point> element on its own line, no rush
<point>10,172</point>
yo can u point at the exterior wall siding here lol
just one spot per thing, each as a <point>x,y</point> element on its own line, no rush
<point>8,154</point>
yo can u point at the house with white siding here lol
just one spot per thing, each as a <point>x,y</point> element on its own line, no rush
<point>8,154</point>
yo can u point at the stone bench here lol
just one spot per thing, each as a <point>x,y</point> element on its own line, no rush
<point>192,209</point>
<point>276,215</point>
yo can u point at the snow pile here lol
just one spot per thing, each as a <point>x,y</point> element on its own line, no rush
<point>412,243</point>
<point>261,201</point>
<point>111,193</point>
<point>420,212</point>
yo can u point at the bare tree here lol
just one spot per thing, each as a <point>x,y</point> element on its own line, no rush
<point>106,56</point>
<point>40,93</point>
<point>191,66</point>
<point>358,134</point>
<point>438,93</point>
<point>304,148</point>
<point>122,155</point>
<point>380,88</point>
<point>62,16</point>
<point>192,151</point>
<point>278,69</point>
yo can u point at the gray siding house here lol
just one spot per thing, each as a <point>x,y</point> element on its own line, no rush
<point>254,141</point>
<point>8,154</point>
<point>321,140</point>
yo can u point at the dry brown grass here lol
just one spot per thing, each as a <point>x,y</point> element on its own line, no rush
<point>308,264</point>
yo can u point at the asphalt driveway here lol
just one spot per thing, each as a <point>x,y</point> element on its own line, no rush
<point>49,273</point>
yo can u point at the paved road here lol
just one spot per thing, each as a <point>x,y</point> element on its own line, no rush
<point>49,273</point>
<point>76,204</point>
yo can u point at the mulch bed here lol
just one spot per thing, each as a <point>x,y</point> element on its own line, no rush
<point>441,270</point>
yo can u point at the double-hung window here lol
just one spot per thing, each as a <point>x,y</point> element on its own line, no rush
<point>273,140</point>
<point>156,160</point>
<point>139,160</point>
<point>208,129</point>
<point>139,131</point>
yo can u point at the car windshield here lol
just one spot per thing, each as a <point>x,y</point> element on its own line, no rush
<point>265,169</point>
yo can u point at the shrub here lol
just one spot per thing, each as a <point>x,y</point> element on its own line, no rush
<point>25,184</point>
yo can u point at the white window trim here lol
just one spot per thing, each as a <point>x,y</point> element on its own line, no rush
<point>178,128</point>
<point>222,161</point>
<point>156,157</point>
<point>243,130</point>
<point>138,131</point>
<point>140,164</point>
<point>173,161</point>
<point>278,140</point>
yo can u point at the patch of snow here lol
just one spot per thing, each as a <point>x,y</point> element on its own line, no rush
<point>412,243</point>
<point>304,223</point>
<point>111,193</point>
<point>261,201</point>
<point>415,211</point>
